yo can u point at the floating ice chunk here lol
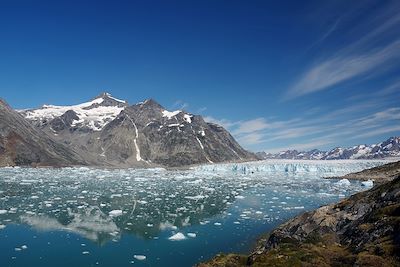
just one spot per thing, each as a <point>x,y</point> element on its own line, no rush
<point>239,197</point>
<point>140,257</point>
<point>2,226</point>
<point>198,197</point>
<point>368,183</point>
<point>236,222</point>
<point>343,183</point>
<point>167,225</point>
<point>85,252</point>
<point>192,235</point>
<point>177,237</point>
<point>24,246</point>
<point>3,211</point>
<point>17,249</point>
<point>218,224</point>
<point>115,213</point>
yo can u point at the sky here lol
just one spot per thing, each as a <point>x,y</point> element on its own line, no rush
<point>277,74</point>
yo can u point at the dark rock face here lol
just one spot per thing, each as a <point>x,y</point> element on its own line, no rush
<point>146,133</point>
<point>64,121</point>
<point>108,132</point>
<point>23,145</point>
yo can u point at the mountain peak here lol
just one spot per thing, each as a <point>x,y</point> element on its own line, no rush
<point>108,96</point>
<point>151,103</point>
<point>387,148</point>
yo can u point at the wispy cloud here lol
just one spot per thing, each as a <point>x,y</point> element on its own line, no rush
<point>317,131</point>
<point>375,51</point>
<point>251,126</point>
<point>311,144</point>
<point>179,104</point>
<point>342,68</point>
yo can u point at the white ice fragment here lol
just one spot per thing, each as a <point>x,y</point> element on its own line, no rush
<point>115,213</point>
<point>368,183</point>
<point>343,183</point>
<point>218,224</point>
<point>3,211</point>
<point>140,257</point>
<point>177,237</point>
<point>85,252</point>
<point>24,246</point>
<point>192,235</point>
<point>2,226</point>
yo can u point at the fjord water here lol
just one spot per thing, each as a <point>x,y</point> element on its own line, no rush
<point>156,217</point>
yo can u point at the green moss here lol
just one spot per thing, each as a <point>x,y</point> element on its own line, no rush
<point>226,260</point>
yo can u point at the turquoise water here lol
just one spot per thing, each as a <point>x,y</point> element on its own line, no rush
<point>91,217</point>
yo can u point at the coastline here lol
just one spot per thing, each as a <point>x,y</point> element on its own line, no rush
<point>340,233</point>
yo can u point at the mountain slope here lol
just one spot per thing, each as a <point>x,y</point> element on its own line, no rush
<point>108,132</point>
<point>387,148</point>
<point>22,144</point>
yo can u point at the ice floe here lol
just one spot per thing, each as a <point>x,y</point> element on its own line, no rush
<point>177,237</point>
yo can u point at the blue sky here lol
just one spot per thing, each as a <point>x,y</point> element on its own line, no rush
<point>289,74</point>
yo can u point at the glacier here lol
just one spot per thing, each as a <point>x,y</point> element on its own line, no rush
<point>318,168</point>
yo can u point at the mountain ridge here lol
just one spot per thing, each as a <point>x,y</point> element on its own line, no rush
<point>387,148</point>
<point>108,132</point>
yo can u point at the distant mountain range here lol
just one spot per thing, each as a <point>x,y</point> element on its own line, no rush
<point>385,149</point>
<point>109,132</point>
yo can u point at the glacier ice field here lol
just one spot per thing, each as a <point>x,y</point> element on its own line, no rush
<point>157,217</point>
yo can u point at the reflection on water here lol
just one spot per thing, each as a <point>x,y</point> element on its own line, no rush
<point>206,206</point>
<point>102,204</point>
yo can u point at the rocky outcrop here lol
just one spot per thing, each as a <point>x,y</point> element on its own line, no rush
<point>378,174</point>
<point>21,144</point>
<point>362,230</point>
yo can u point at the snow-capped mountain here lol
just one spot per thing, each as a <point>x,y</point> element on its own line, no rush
<point>107,131</point>
<point>92,115</point>
<point>388,148</point>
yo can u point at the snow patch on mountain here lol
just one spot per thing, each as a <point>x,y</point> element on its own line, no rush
<point>170,114</point>
<point>94,114</point>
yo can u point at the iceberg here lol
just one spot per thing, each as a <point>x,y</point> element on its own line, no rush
<point>368,183</point>
<point>177,237</point>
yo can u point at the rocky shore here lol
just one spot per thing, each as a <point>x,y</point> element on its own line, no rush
<point>362,230</point>
<point>378,174</point>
